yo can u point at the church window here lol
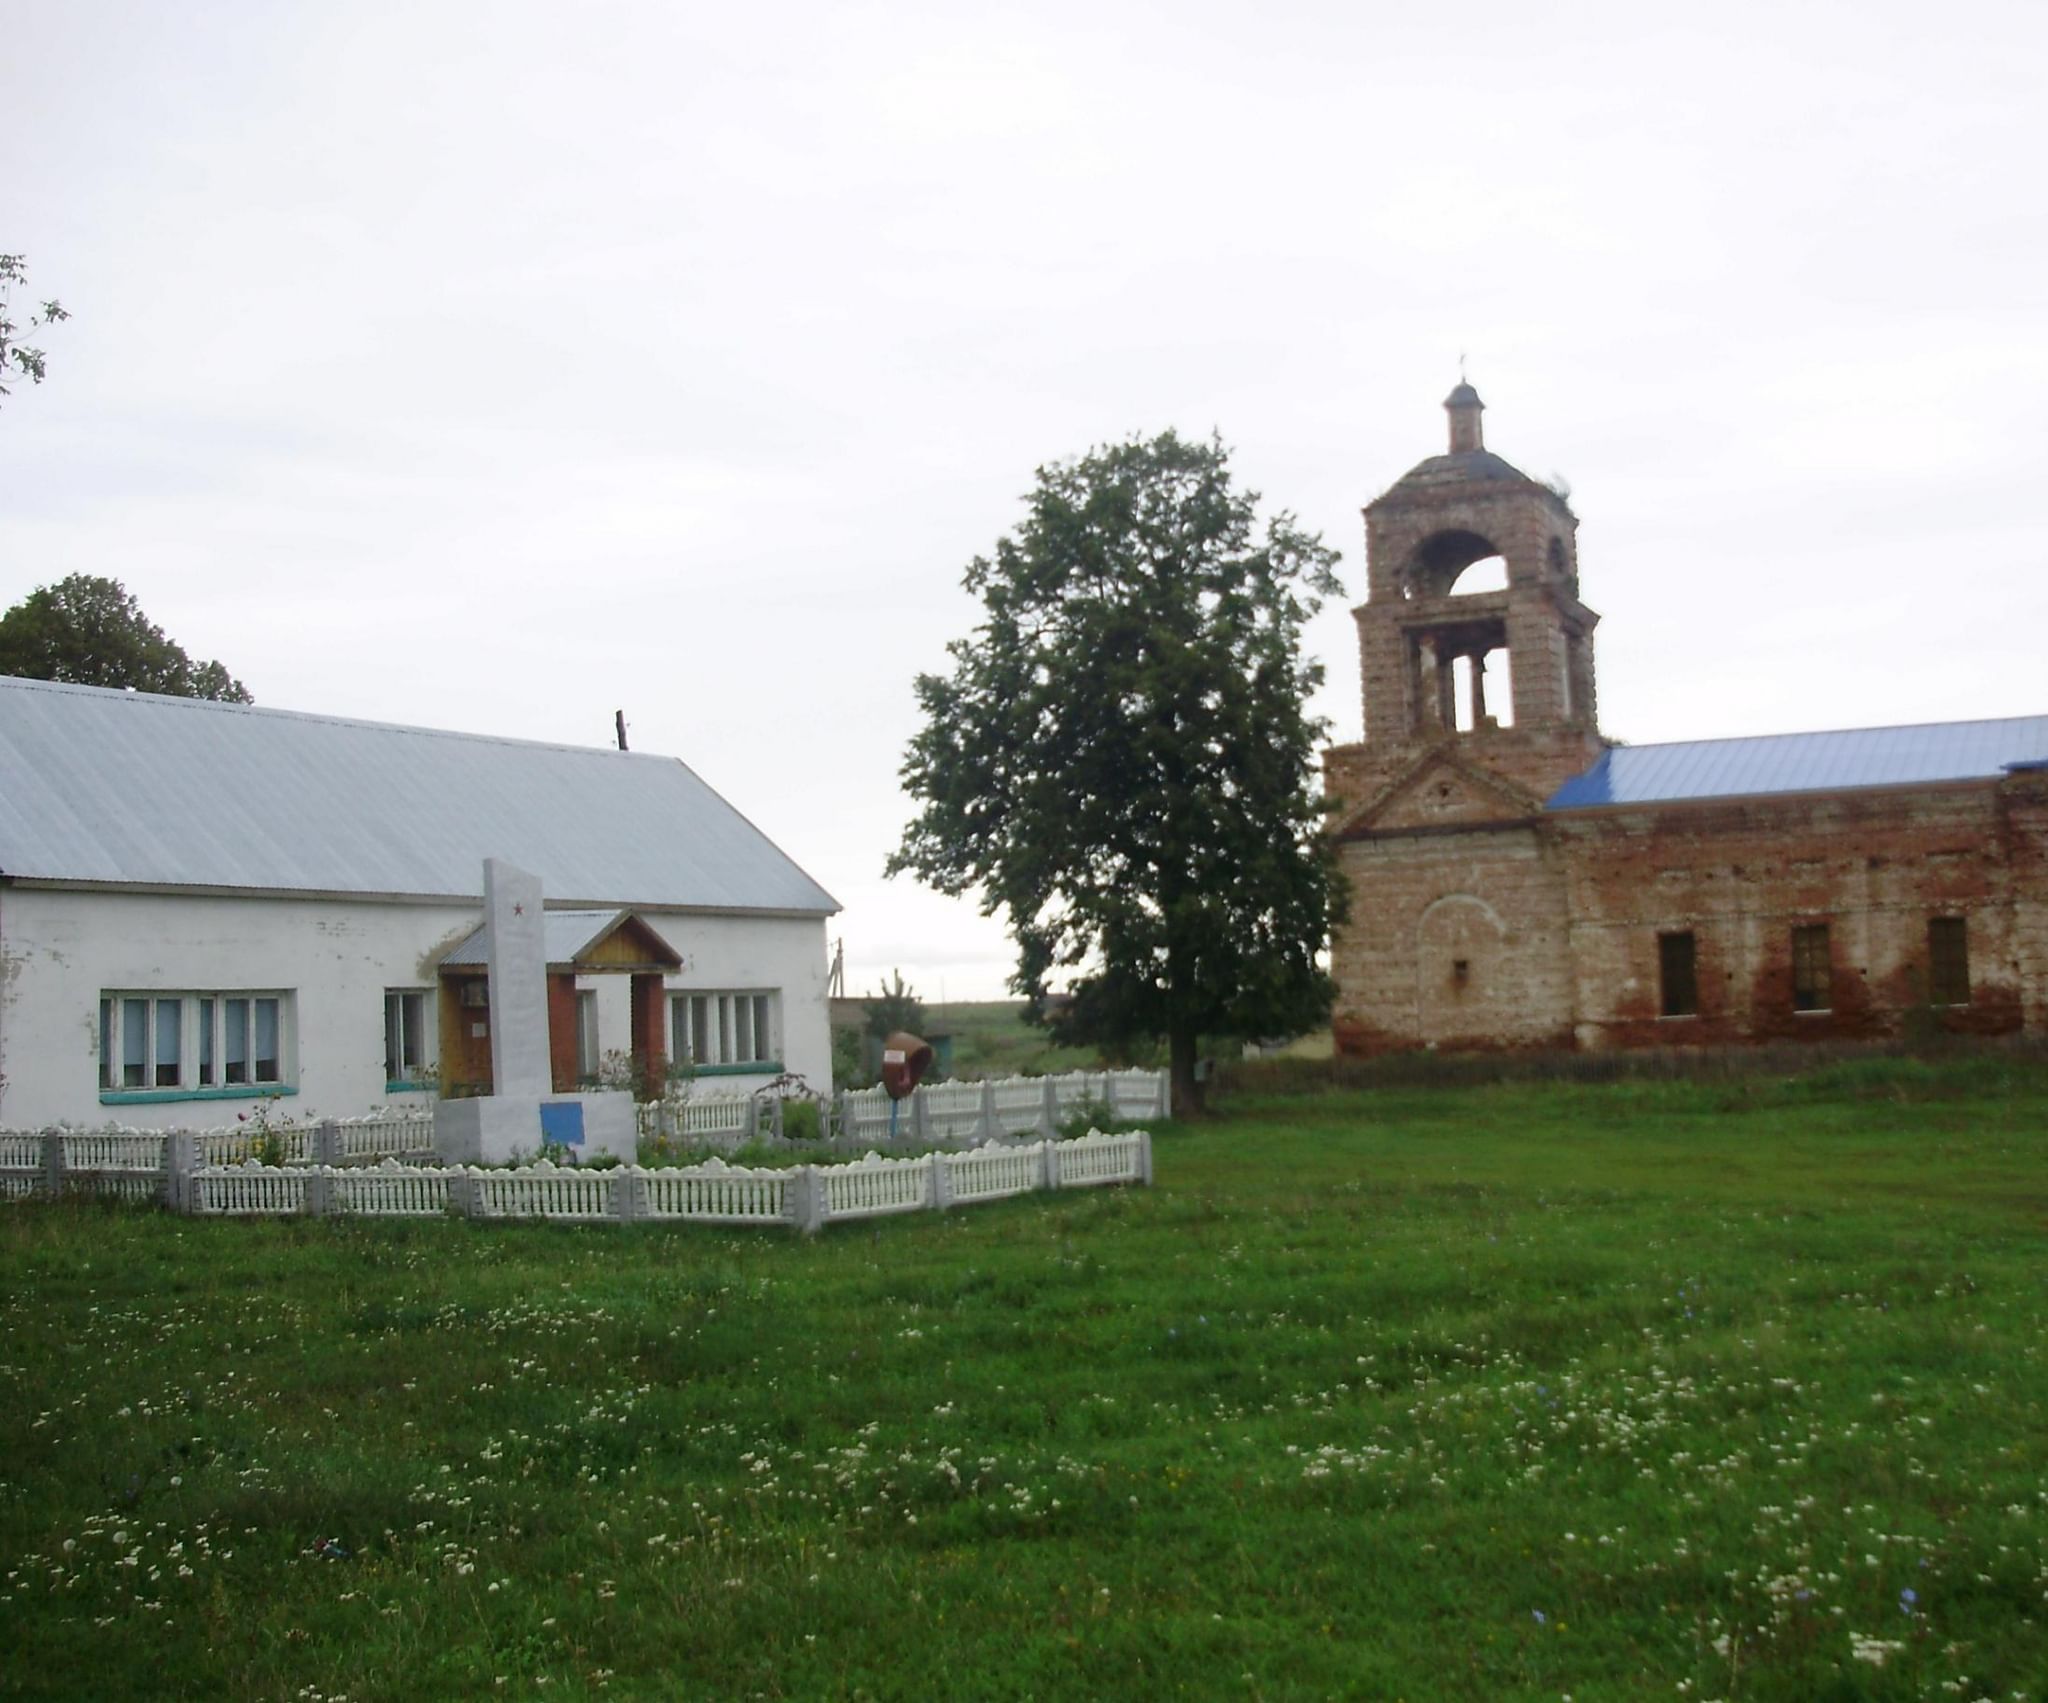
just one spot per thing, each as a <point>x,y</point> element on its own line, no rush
<point>1812,986</point>
<point>1677,975</point>
<point>1948,961</point>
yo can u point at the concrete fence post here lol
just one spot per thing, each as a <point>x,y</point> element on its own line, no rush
<point>807,1201</point>
<point>1049,1112</point>
<point>1145,1157</point>
<point>53,1163</point>
<point>842,1117</point>
<point>920,1118</point>
<point>1052,1165</point>
<point>629,1194</point>
<point>1163,1098</point>
<point>463,1195</point>
<point>988,1111</point>
<point>941,1195</point>
<point>319,1189</point>
<point>181,1159</point>
<point>775,1116</point>
<point>326,1142</point>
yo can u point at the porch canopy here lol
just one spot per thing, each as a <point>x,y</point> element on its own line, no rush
<point>577,943</point>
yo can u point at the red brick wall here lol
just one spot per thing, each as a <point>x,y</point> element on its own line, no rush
<point>1557,920</point>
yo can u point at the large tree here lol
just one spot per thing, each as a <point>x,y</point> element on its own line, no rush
<point>91,632</point>
<point>1122,760</point>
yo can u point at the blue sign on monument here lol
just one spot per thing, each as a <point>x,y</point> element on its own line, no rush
<point>561,1122</point>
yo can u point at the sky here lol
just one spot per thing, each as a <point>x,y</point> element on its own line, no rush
<point>498,368</point>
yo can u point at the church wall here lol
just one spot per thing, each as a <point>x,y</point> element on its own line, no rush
<point>1873,866</point>
<point>1457,939</point>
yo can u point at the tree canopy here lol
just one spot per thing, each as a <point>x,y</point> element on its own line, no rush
<point>1122,760</point>
<point>91,632</point>
<point>19,360</point>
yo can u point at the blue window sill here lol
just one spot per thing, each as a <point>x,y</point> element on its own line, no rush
<point>408,1087</point>
<point>765,1067</point>
<point>160,1096</point>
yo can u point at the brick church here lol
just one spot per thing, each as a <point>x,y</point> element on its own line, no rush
<point>1519,881</point>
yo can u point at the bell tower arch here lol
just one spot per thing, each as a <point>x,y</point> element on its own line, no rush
<point>1508,667</point>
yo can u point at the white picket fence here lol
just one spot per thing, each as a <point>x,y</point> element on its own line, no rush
<point>803,1197</point>
<point>133,1164</point>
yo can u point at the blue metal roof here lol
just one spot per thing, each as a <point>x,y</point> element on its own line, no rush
<point>1807,762</point>
<point>138,790</point>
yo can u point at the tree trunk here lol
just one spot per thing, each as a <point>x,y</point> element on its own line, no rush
<point>1187,1092</point>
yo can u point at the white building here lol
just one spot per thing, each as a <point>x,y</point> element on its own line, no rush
<point>203,904</point>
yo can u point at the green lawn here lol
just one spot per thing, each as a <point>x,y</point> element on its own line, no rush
<point>1642,1390</point>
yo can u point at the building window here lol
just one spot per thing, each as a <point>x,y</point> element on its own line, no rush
<point>405,1038</point>
<point>1948,961</point>
<point>193,1043</point>
<point>1677,975</point>
<point>723,1029</point>
<point>1812,985</point>
<point>587,1056</point>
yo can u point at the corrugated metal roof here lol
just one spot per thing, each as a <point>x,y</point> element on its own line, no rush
<point>1806,762</point>
<point>135,789</point>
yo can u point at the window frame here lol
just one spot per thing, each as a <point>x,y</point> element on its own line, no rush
<point>726,1031</point>
<point>589,1053</point>
<point>1813,969</point>
<point>1948,966</point>
<point>414,1074</point>
<point>1678,985</point>
<point>186,1043</point>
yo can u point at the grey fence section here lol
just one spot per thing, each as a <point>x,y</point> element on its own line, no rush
<point>971,1113</point>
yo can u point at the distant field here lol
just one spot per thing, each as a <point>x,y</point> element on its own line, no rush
<point>1641,1390</point>
<point>991,1038</point>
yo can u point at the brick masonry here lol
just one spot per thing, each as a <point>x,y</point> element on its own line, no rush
<point>1481,921</point>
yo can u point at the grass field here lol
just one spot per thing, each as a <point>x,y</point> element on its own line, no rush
<point>1640,1390</point>
<point>992,1038</point>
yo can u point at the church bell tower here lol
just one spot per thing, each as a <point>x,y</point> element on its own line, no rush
<point>1503,669</point>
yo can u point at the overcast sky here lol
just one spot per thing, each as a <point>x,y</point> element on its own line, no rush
<point>497,367</point>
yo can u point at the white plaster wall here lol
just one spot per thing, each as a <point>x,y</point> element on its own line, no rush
<point>60,949</point>
<point>731,954</point>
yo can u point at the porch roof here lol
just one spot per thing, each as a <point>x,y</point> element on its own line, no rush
<point>573,940</point>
